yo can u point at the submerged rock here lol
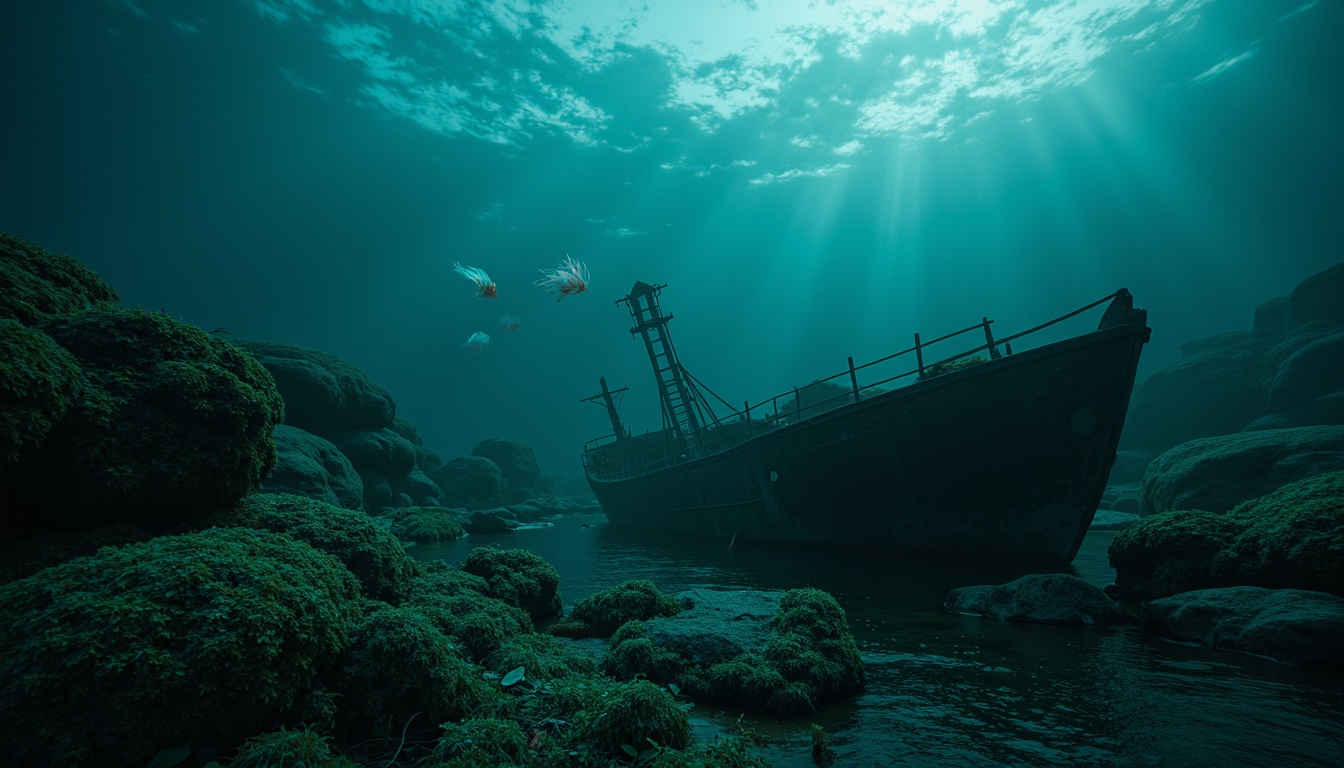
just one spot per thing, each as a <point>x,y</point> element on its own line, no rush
<point>1291,625</point>
<point>322,392</point>
<point>1039,598</point>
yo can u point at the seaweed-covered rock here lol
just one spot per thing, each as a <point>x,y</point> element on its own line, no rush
<point>517,462</point>
<point>479,625</point>
<point>322,392</point>
<point>807,658</point>
<point>372,554</point>
<point>1218,473</point>
<point>479,742</point>
<point>36,284</point>
<point>1291,625</point>
<point>519,578</point>
<point>423,524</point>
<point>1292,538</point>
<point>399,666</point>
<point>1038,598</point>
<point>472,482</point>
<point>39,382</point>
<point>440,578</point>
<point>311,466</point>
<point>200,638</point>
<point>172,424</point>
<point>637,599</point>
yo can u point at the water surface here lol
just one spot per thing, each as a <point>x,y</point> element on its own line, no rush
<point>956,690</point>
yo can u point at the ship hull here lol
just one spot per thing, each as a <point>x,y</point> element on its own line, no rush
<point>1007,459</point>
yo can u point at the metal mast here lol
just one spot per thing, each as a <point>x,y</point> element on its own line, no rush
<point>681,402</point>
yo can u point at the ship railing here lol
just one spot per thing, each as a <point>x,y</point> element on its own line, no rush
<point>741,425</point>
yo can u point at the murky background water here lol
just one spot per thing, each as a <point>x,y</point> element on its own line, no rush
<point>954,690</point>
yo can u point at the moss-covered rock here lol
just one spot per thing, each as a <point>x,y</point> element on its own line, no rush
<point>424,524</point>
<point>519,578</point>
<point>308,465</point>
<point>809,659</point>
<point>639,715</point>
<point>397,666</point>
<point>172,424</point>
<point>323,393</point>
<point>632,654</point>
<point>638,599</point>
<point>39,382</point>
<point>373,555</point>
<point>473,482</point>
<point>478,625</point>
<point>201,638</point>
<point>440,578</point>
<point>1293,537</point>
<point>36,284</point>
<point>299,747</point>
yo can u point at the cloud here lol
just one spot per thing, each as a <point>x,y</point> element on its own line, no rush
<point>1222,66</point>
<point>798,173</point>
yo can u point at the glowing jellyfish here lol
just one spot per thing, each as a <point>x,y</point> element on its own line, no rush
<point>485,287</point>
<point>477,342</point>
<point>570,277</point>
<point>511,322</point>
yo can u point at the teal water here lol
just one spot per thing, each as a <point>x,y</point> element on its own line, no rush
<point>947,690</point>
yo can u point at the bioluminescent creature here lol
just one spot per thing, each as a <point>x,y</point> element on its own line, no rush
<point>477,341</point>
<point>485,287</point>
<point>570,277</point>
<point>511,322</point>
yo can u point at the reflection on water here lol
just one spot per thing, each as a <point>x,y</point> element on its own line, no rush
<point>956,690</point>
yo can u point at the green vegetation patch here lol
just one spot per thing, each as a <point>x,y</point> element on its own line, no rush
<point>399,666</point>
<point>810,659</point>
<point>631,600</point>
<point>39,382</point>
<point>519,578</point>
<point>1291,538</point>
<point>300,748</point>
<point>200,638</point>
<point>375,556</point>
<point>37,283</point>
<point>171,425</point>
<point>423,524</point>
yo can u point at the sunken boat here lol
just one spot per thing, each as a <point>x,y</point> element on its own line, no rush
<point>984,452</point>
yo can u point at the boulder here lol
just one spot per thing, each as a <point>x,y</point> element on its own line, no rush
<point>310,466</point>
<point>1217,473</point>
<point>1324,410</point>
<point>171,425</point>
<point>1291,625</point>
<point>1213,392</point>
<point>1049,598</point>
<point>419,488</point>
<point>470,481</point>
<point>1292,538</point>
<point>716,625</point>
<point>322,392</point>
<point>517,462</point>
<point>1319,298</point>
<point>377,450</point>
<point>1314,370</point>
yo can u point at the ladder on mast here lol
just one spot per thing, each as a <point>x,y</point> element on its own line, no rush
<point>676,393</point>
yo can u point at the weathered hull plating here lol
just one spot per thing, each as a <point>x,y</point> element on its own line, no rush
<point>1007,459</point>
